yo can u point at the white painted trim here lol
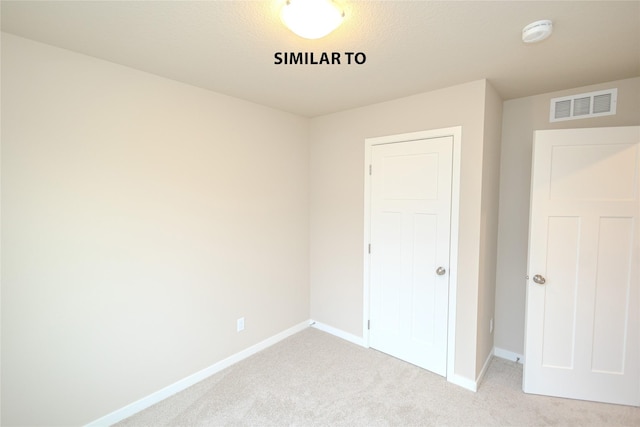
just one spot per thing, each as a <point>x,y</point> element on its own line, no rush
<point>508,355</point>
<point>482,373</point>
<point>338,333</point>
<point>470,384</point>
<point>463,382</point>
<point>153,398</point>
<point>456,133</point>
<point>368,144</point>
<point>453,248</point>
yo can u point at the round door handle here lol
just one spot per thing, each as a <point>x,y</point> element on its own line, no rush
<point>540,280</point>
<point>440,271</point>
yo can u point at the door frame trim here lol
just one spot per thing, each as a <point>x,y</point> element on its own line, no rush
<point>456,133</point>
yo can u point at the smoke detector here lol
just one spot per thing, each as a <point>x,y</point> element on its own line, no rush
<point>537,31</point>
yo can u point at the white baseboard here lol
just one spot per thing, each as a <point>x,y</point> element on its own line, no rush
<point>509,355</point>
<point>463,382</point>
<point>182,384</point>
<point>338,333</point>
<point>466,382</point>
<point>484,369</point>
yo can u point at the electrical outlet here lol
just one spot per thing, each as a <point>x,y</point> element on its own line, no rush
<point>240,324</point>
<point>491,326</point>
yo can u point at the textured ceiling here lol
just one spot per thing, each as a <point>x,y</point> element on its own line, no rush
<point>410,46</point>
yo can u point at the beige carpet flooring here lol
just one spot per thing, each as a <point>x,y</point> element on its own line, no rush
<point>315,379</point>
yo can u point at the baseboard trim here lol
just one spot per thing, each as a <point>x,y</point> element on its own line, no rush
<point>338,333</point>
<point>470,384</point>
<point>463,382</point>
<point>509,355</point>
<point>153,398</point>
<point>484,369</point>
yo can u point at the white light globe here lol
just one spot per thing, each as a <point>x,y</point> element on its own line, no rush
<point>537,31</point>
<point>311,19</point>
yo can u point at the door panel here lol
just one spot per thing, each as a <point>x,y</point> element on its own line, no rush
<point>424,325</point>
<point>563,245</point>
<point>612,290</point>
<point>583,172</point>
<point>582,334</point>
<point>410,228</point>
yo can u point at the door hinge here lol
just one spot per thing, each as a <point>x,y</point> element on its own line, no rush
<point>369,324</point>
<point>370,169</point>
<point>369,247</point>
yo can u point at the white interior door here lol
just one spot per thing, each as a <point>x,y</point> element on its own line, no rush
<point>582,333</point>
<point>410,239</point>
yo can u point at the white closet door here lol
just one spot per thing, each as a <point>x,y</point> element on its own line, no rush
<point>410,237</point>
<point>583,296</point>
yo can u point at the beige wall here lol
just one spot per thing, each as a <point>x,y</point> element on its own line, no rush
<point>489,225</point>
<point>520,118</point>
<point>337,207</point>
<point>140,218</point>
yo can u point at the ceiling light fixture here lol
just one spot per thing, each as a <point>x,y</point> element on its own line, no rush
<point>537,31</point>
<point>311,19</point>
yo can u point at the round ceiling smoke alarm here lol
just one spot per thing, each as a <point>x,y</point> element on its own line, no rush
<point>537,31</point>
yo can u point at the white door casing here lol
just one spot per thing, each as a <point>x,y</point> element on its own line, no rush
<point>582,324</point>
<point>411,224</point>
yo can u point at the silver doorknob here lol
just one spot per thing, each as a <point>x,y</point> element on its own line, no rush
<point>440,271</point>
<point>540,280</point>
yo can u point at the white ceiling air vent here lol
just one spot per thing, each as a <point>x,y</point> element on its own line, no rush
<point>581,106</point>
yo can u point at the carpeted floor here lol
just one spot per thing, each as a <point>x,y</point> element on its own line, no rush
<point>315,379</point>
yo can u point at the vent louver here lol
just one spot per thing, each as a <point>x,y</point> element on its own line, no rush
<point>602,103</point>
<point>592,104</point>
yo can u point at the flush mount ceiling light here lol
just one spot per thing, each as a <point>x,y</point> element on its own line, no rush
<point>311,19</point>
<point>537,31</point>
